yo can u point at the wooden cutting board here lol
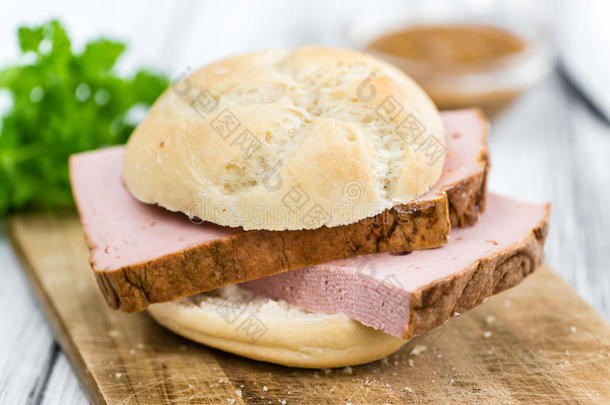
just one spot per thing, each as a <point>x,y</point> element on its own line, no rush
<point>537,343</point>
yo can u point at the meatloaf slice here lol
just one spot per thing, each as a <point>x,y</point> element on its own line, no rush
<point>407,295</point>
<point>143,254</point>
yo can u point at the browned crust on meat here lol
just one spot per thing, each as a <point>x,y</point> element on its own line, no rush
<point>435,303</point>
<point>256,254</point>
<point>467,197</point>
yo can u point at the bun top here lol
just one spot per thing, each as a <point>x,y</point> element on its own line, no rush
<point>285,139</point>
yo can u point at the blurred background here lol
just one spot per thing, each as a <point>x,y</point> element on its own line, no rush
<point>539,69</point>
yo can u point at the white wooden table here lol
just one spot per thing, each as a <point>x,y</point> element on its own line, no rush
<point>548,147</point>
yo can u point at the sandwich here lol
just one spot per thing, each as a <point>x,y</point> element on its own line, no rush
<point>306,207</point>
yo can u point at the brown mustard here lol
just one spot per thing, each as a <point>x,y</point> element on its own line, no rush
<point>451,49</point>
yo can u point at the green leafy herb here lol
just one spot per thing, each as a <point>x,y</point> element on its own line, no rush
<point>62,103</point>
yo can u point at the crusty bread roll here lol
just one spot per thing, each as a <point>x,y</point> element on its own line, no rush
<point>287,140</point>
<point>236,320</point>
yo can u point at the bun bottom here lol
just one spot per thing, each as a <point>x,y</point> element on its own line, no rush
<point>238,321</point>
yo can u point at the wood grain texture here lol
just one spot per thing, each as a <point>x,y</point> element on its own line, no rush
<point>542,344</point>
<point>550,148</point>
<point>26,341</point>
<point>62,386</point>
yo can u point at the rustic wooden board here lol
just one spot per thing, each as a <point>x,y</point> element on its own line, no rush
<point>536,343</point>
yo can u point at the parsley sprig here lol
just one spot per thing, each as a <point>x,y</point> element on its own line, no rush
<point>62,103</point>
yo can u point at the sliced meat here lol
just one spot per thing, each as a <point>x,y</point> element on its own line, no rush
<point>143,254</point>
<point>407,295</point>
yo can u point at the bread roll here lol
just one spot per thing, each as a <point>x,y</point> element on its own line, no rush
<point>285,139</point>
<point>236,320</point>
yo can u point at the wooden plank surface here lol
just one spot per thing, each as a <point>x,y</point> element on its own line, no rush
<point>26,342</point>
<point>549,147</point>
<point>62,386</point>
<point>537,343</point>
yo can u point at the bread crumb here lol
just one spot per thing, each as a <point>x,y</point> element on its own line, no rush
<point>572,329</point>
<point>419,349</point>
<point>191,397</point>
<point>411,363</point>
<point>385,361</point>
<point>407,389</point>
<point>118,375</point>
<point>282,401</point>
<point>132,351</point>
<point>348,370</point>
<point>231,400</point>
<point>191,387</point>
<point>487,334</point>
<point>451,381</point>
<point>327,371</point>
<point>238,392</point>
<point>265,388</point>
<point>490,319</point>
<point>456,314</point>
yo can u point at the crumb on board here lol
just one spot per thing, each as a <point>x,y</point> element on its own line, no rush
<point>348,370</point>
<point>417,350</point>
<point>487,334</point>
